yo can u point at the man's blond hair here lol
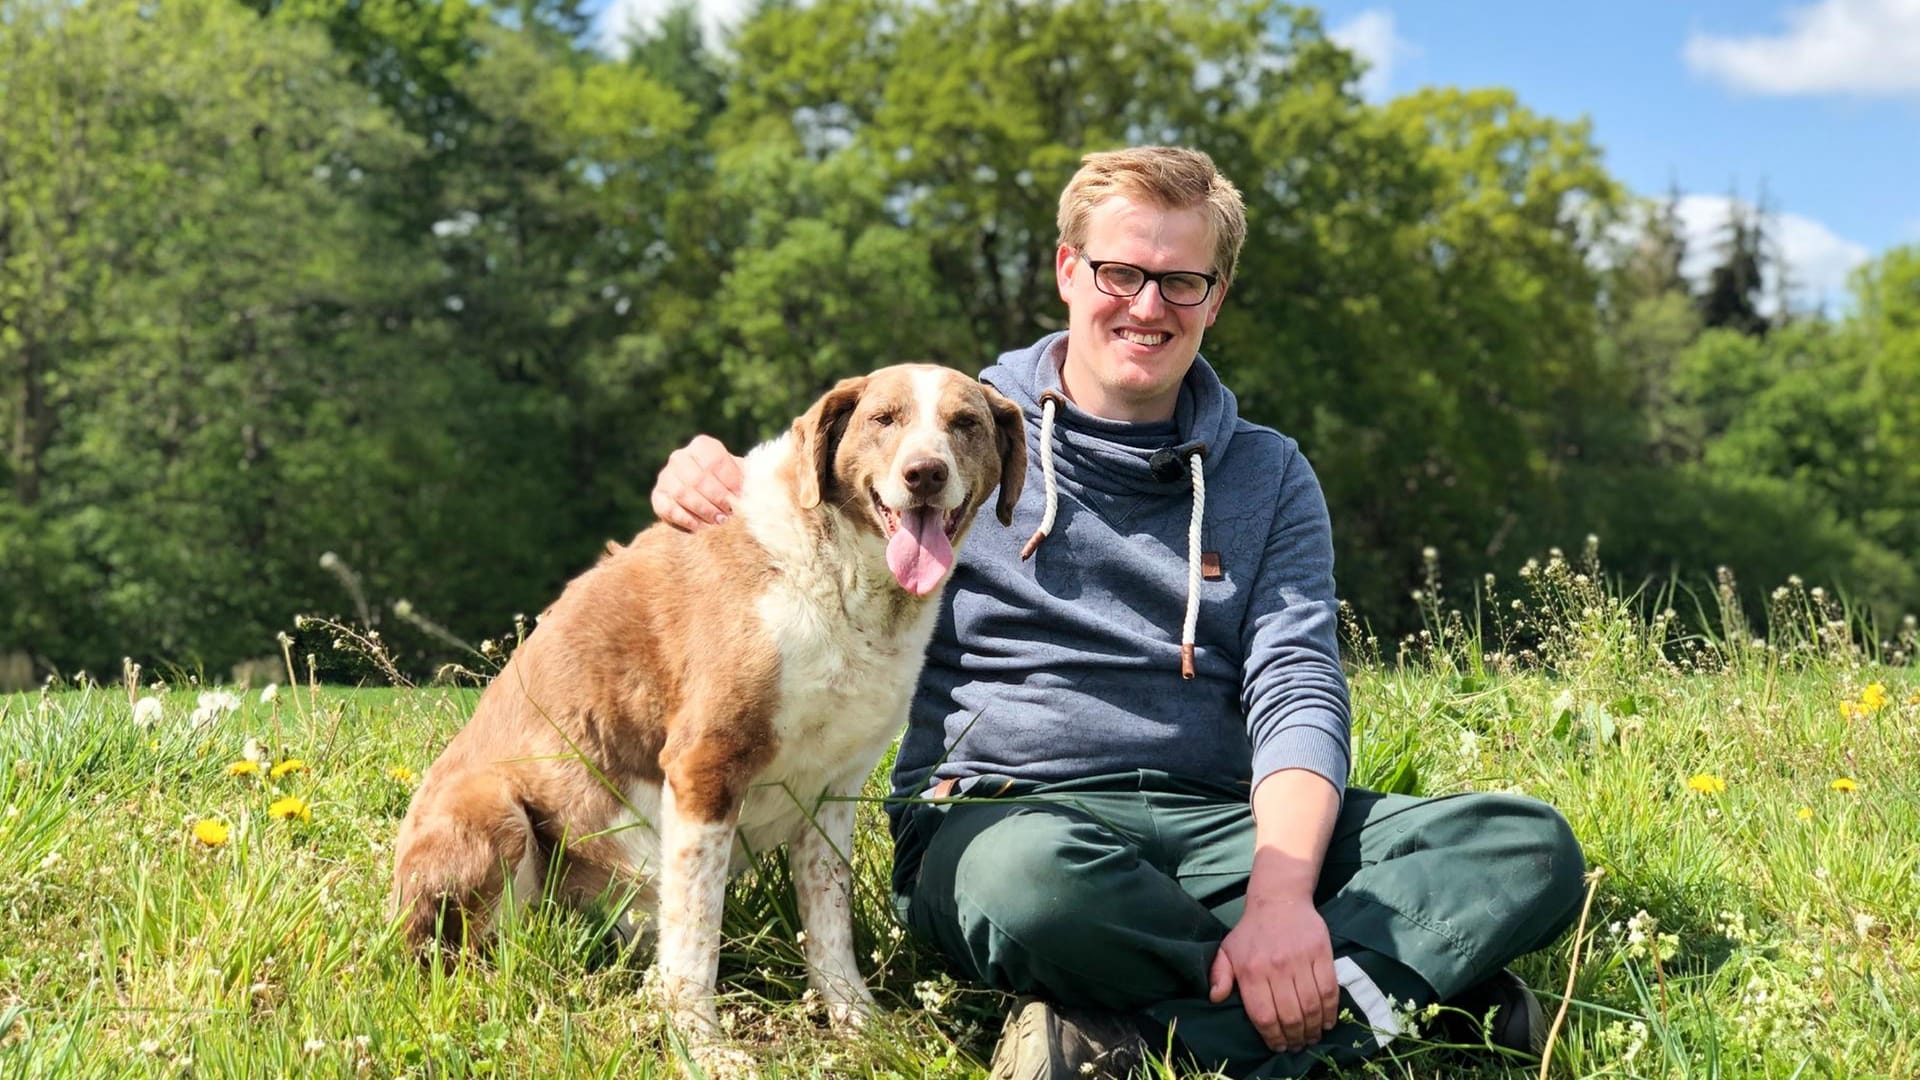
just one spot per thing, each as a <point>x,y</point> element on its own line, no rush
<point>1168,177</point>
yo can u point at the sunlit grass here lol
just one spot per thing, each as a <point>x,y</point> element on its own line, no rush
<point>1753,808</point>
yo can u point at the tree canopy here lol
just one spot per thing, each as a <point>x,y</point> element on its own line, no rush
<point>436,286</point>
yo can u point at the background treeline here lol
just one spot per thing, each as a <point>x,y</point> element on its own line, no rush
<point>436,286</point>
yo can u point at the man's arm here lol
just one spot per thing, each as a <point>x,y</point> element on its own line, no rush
<point>1295,697</point>
<point>697,485</point>
<point>1279,953</point>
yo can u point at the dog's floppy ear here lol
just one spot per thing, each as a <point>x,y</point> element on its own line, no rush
<point>1010,430</point>
<point>816,436</point>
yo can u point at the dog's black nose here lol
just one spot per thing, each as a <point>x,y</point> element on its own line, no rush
<point>926,476</point>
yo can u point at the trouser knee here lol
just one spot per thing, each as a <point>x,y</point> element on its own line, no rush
<point>1531,853</point>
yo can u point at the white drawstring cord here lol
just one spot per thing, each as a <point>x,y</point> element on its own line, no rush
<point>1046,472</point>
<point>1192,623</point>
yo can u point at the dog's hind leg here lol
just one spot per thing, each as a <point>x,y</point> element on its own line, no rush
<point>464,853</point>
<point>592,874</point>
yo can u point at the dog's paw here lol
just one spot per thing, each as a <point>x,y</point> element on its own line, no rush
<point>719,1061</point>
<point>851,1017</point>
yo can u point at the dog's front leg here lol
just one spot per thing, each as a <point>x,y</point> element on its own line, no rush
<point>823,880</point>
<point>695,843</point>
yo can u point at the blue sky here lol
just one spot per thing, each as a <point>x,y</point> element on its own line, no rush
<point>1817,100</point>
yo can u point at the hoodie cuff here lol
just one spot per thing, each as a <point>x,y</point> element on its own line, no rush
<point>1304,744</point>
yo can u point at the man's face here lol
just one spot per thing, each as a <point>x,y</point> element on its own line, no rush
<point>1126,356</point>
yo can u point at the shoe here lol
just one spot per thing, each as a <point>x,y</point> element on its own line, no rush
<point>1043,1041</point>
<point>1517,1024</point>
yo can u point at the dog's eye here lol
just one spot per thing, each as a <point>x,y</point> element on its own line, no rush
<point>883,419</point>
<point>965,422</point>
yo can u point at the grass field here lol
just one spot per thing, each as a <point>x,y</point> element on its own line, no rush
<point>1750,807</point>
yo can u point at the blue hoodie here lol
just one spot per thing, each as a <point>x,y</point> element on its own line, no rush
<point>1068,664</point>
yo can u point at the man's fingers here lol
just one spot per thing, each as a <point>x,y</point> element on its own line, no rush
<point>1256,997</point>
<point>717,461</point>
<point>1329,985</point>
<point>1312,1021</point>
<point>697,485</point>
<point>1286,1007</point>
<point>715,491</point>
<point>1220,983</point>
<point>683,508</point>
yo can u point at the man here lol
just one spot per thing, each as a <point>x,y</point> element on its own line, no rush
<point>1122,790</point>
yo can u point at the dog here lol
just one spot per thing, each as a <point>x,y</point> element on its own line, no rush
<point>695,698</point>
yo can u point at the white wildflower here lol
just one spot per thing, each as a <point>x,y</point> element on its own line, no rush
<point>146,712</point>
<point>213,705</point>
<point>269,692</point>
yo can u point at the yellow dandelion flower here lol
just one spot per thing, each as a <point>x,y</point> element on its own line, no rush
<point>244,768</point>
<point>291,765</point>
<point>288,808</point>
<point>1844,784</point>
<point>1805,813</point>
<point>402,774</point>
<point>210,832</point>
<point>1706,784</point>
<point>1874,697</point>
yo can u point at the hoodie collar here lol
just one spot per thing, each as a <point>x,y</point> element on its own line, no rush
<point>1114,455</point>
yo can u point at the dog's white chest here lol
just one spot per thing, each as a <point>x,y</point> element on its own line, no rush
<point>844,692</point>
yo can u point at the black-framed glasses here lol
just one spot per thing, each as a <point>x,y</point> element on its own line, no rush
<point>1181,288</point>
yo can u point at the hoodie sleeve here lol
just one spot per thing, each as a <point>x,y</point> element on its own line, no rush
<point>1293,691</point>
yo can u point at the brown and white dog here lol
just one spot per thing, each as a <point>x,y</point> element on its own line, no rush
<point>696,697</point>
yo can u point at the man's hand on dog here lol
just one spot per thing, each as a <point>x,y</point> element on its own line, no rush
<point>696,487</point>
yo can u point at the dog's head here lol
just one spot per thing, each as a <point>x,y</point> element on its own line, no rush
<point>911,453</point>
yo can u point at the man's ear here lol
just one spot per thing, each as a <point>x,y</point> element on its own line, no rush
<point>816,435</point>
<point>1010,435</point>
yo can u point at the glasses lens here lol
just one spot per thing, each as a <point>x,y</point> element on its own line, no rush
<point>1119,279</point>
<point>1184,289</point>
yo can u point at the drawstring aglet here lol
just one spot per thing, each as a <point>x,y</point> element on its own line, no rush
<point>1186,661</point>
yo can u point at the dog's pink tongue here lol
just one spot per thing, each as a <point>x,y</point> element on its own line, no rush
<point>919,554</point>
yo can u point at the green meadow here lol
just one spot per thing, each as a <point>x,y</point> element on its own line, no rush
<point>196,886</point>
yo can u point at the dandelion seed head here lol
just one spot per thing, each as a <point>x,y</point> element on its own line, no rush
<point>147,712</point>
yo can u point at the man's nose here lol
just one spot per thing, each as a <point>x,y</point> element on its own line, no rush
<point>926,476</point>
<point>1148,303</point>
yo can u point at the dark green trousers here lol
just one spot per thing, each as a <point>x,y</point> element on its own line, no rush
<point>1115,892</point>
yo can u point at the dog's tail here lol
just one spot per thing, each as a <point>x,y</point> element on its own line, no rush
<point>466,850</point>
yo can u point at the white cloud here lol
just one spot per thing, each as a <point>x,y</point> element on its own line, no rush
<point>1818,260</point>
<point>619,16</point>
<point>1868,47</point>
<point>1370,35</point>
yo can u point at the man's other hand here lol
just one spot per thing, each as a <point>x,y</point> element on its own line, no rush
<point>1280,956</point>
<point>697,485</point>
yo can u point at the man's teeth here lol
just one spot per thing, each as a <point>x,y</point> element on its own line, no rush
<point>1144,339</point>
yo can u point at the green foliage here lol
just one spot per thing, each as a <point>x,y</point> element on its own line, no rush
<point>436,288</point>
